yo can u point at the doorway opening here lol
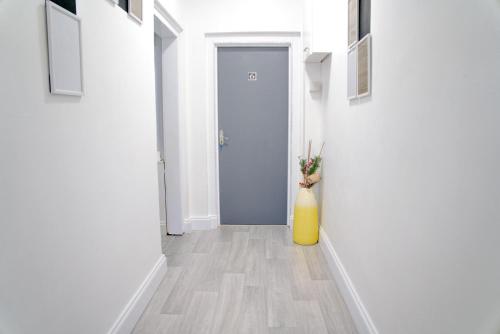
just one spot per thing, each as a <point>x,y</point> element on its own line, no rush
<point>166,63</point>
<point>295,135</point>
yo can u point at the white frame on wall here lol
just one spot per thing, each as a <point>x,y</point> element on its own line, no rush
<point>368,40</point>
<point>54,88</point>
<point>354,49</point>
<point>352,72</point>
<point>132,15</point>
<point>295,105</point>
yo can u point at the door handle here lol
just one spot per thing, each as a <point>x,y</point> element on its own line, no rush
<point>222,139</point>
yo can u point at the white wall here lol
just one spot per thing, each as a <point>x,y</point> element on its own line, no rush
<point>200,17</point>
<point>78,182</point>
<point>411,183</point>
<point>173,8</point>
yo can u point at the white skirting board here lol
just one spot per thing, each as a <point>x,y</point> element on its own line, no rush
<point>137,304</point>
<point>360,315</point>
<point>200,223</point>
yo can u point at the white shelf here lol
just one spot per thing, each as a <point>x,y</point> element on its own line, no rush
<point>316,57</point>
<point>318,28</point>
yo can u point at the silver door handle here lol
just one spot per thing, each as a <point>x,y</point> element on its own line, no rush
<point>222,139</point>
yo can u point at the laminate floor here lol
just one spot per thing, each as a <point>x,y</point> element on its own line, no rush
<point>244,279</point>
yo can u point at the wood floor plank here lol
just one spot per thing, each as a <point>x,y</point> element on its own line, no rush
<point>256,268</point>
<point>302,285</point>
<point>316,262</point>
<point>182,244</point>
<point>280,309</point>
<point>150,319</point>
<point>260,232</point>
<point>169,324</point>
<point>245,279</point>
<point>332,306</point>
<point>238,253</point>
<point>253,314</point>
<point>199,314</point>
<point>178,300</point>
<point>229,304</point>
<point>217,262</point>
<point>159,323</point>
<point>279,275</point>
<point>164,290</point>
<point>309,317</point>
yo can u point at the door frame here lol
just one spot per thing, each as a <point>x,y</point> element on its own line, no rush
<point>170,32</point>
<point>292,41</point>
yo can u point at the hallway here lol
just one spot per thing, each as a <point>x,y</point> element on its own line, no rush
<point>371,127</point>
<point>245,279</point>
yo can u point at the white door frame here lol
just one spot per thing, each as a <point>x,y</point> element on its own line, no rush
<point>173,119</point>
<point>295,105</point>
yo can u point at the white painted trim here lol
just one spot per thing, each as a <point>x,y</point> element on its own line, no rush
<point>137,304</point>
<point>292,40</point>
<point>258,34</point>
<point>187,227</point>
<point>203,223</point>
<point>359,313</point>
<point>168,20</point>
<point>173,117</point>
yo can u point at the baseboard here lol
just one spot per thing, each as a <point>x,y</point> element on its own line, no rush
<point>137,304</point>
<point>200,223</point>
<point>360,315</point>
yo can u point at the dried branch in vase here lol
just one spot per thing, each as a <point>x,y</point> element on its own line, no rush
<point>309,168</point>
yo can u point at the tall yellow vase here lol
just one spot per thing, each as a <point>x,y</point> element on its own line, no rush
<point>305,218</point>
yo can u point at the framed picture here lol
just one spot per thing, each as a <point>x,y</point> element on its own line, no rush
<point>69,5</point>
<point>364,66</point>
<point>352,22</point>
<point>364,9</point>
<point>352,73</point>
<point>123,4</point>
<point>135,9</point>
<point>65,50</point>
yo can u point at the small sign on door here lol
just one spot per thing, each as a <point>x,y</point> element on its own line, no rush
<point>252,76</point>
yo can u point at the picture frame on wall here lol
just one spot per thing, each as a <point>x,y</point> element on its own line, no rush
<point>364,66</point>
<point>135,9</point>
<point>364,17</point>
<point>64,51</point>
<point>352,22</point>
<point>69,5</point>
<point>123,4</point>
<point>352,73</point>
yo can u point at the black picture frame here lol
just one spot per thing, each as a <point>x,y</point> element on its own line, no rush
<point>123,4</point>
<point>364,18</point>
<point>69,5</point>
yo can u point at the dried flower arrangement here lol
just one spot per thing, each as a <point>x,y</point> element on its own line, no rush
<point>310,168</point>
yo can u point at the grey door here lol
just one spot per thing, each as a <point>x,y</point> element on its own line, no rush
<point>253,134</point>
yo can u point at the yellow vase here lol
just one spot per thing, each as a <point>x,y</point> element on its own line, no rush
<point>305,218</point>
